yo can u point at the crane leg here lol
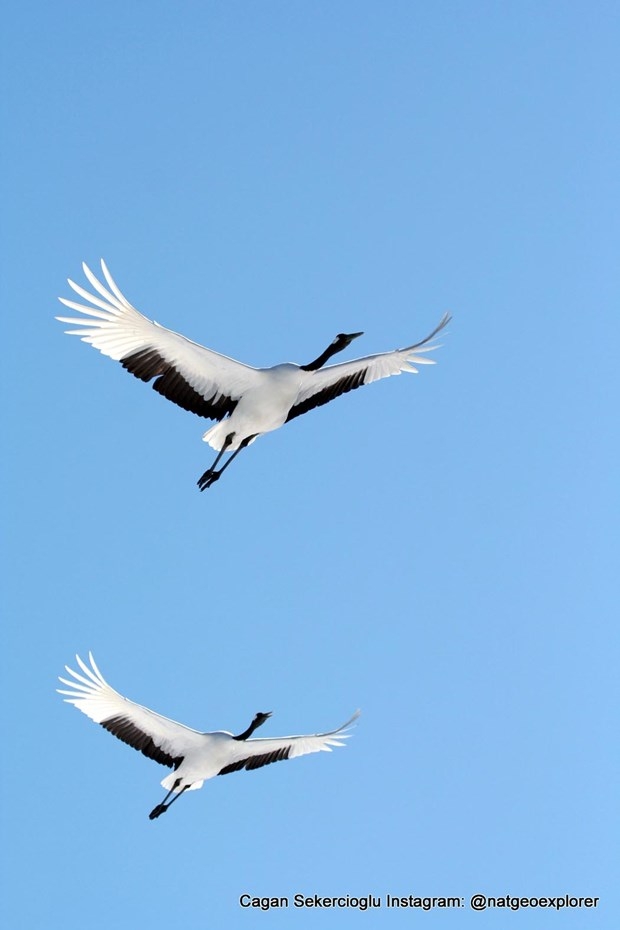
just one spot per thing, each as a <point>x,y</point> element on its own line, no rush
<point>211,475</point>
<point>163,807</point>
<point>205,481</point>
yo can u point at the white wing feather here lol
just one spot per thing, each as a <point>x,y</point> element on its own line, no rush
<point>374,367</point>
<point>299,745</point>
<point>118,330</point>
<point>91,694</point>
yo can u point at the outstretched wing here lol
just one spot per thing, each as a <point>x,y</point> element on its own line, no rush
<point>327,383</point>
<point>254,753</point>
<point>159,738</point>
<point>197,379</point>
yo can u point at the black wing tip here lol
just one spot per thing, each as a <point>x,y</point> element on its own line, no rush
<point>123,728</point>
<point>343,386</point>
<point>257,762</point>
<point>148,363</point>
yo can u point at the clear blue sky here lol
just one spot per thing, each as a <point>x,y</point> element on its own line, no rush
<point>439,550</point>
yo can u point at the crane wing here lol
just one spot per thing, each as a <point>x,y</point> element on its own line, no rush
<point>254,753</point>
<point>197,379</point>
<point>328,383</point>
<point>159,738</point>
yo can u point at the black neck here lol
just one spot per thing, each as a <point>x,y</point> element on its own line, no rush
<point>258,721</point>
<point>323,357</point>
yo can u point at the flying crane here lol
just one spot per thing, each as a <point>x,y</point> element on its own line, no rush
<point>245,401</point>
<point>193,756</point>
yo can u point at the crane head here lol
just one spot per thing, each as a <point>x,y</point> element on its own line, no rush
<point>343,340</point>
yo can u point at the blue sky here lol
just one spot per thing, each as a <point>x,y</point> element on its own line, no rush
<point>440,550</point>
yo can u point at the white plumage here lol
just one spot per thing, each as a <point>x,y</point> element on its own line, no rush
<point>194,756</point>
<point>246,401</point>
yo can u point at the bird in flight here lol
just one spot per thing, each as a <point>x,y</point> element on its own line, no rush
<point>245,401</point>
<point>193,756</point>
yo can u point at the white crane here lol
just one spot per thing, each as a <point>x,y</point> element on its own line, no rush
<point>247,401</point>
<point>194,756</point>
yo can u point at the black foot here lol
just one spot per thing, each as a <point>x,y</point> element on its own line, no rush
<point>208,479</point>
<point>160,809</point>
